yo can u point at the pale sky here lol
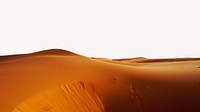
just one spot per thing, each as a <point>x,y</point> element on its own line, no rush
<point>102,28</point>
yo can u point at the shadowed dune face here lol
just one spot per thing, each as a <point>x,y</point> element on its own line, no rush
<point>61,81</point>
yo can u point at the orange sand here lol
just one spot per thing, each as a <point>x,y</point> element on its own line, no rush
<point>61,81</point>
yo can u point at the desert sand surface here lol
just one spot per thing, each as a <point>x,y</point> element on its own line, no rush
<point>61,81</point>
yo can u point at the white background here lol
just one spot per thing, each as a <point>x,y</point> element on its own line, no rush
<point>102,28</point>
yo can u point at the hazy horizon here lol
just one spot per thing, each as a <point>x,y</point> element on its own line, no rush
<point>107,28</point>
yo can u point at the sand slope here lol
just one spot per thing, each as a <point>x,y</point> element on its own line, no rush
<point>34,83</point>
<point>71,97</point>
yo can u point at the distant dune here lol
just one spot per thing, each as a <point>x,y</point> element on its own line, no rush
<point>57,80</point>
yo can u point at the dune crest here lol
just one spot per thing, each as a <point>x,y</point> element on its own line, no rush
<point>54,52</point>
<point>57,52</point>
<point>71,97</point>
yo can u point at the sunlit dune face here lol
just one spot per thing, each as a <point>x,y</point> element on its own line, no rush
<point>71,97</point>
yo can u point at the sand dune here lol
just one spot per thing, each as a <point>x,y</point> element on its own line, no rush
<point>61,81</point>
